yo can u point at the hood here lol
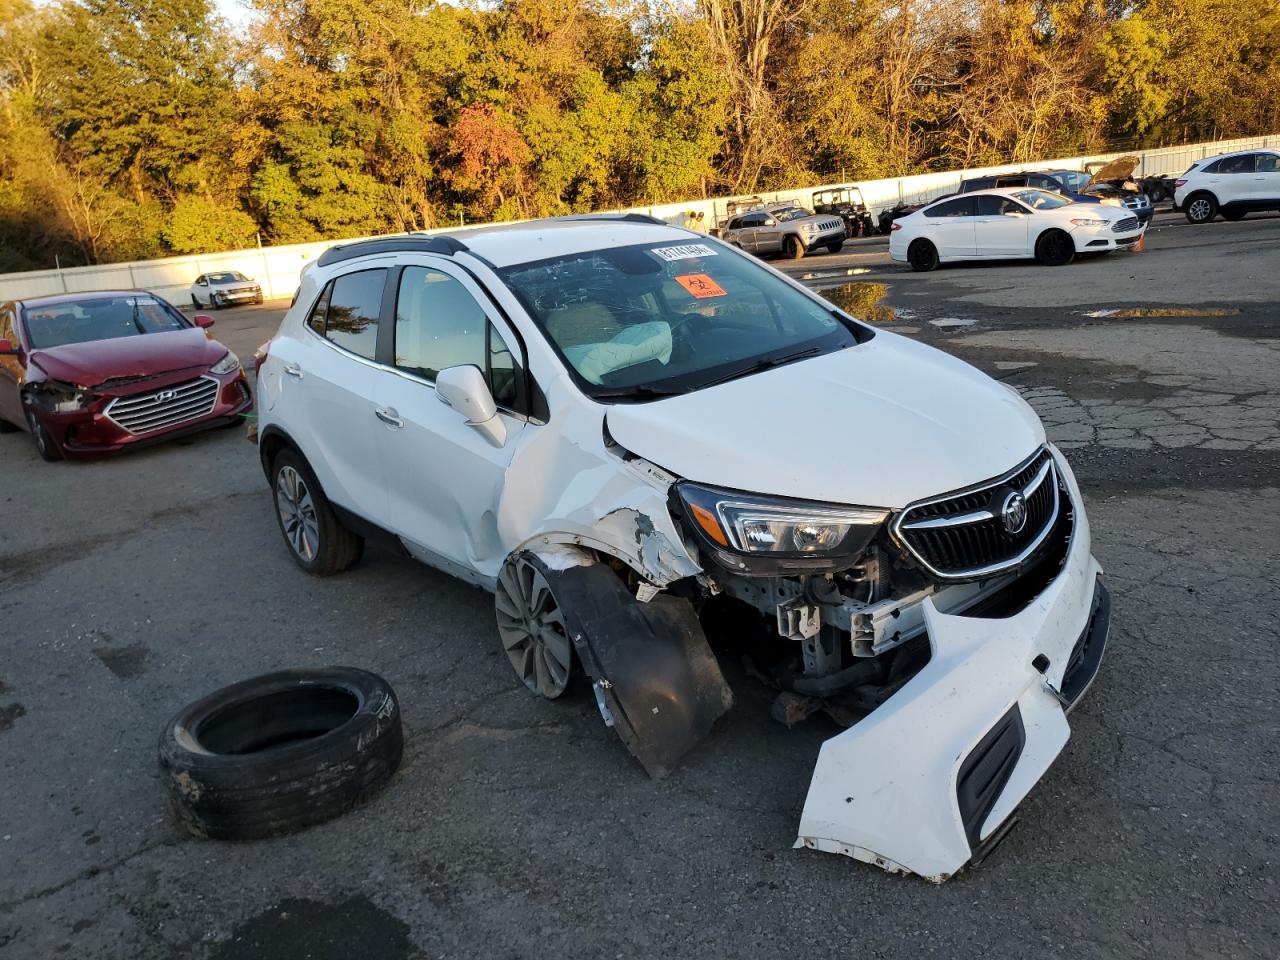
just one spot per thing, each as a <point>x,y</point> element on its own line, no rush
<point>881,424</point>
<point>146,355</point>
<point>1120,169</point>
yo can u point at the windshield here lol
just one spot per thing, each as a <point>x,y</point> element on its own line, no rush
<point>1072,179</point>
<point>1042,199</point>
<point>229,276</point>
<point>787,214</point>
<point>641,321</point>
<point>105,318</point>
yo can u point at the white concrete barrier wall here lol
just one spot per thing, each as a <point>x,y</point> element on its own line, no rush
<point>278,268</point>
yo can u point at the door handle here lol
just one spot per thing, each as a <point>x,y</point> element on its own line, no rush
<point>389,416</point>
<point>293,370</point>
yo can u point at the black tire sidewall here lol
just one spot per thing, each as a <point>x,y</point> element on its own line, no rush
<point>1213,207</point>
<point>922,264</point>
<point>255,795</point>
<point>1050,237</point>
<point>45,445</point>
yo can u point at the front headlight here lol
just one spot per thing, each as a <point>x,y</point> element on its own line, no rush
<point>1089,222</point>
<point>227,364</point>
<point>743,529</point>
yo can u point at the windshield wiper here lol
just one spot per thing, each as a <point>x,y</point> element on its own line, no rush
<point>635,393</point>
<point>765,363</point>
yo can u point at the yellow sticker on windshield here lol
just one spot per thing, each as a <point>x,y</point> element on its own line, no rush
<point>700,285</point>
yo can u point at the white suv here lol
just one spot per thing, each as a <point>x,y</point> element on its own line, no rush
<point>1232,184</point>
<point>636,436</point>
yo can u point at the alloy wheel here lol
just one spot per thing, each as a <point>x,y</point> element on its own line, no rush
<point>297,513</point>
<point>1199,209</point>
<point>532,629</point>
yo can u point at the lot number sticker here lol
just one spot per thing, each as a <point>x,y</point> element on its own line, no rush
<point>700,285</point>
<point>686,251</point>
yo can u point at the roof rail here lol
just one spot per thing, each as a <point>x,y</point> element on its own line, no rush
<point>409,243</point>
<point>623,217</point>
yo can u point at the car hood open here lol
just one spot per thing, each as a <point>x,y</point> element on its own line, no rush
<point>146,355</point>
<point>1119,169</point>
<point>880,424</point>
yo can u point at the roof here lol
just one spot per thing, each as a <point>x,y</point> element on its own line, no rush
<point>508,244</point>
<point>54,299</point>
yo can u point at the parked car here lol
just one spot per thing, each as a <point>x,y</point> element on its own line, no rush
<point>94,373</point>
<point>785,228</point>
<point>900,209</point>
<point>847,204</point>
<point>1233,184</point>
<point>1010,224</point>
<point>1111,182</point>
<point>627,431</point>
<point>224,289</point>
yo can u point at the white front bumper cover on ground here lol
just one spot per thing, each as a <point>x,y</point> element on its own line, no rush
<point>979,719</point>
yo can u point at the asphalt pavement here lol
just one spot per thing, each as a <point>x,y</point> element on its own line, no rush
<point>521,828</point>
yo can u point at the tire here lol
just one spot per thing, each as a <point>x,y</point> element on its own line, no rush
<point>280,752</point>
<point>258,300</point>
<point>1055,248</point>
<point>792,248</point>
<point>46,446</point>
<point>1234,215</point>
<point>922,255</point>
<point>835,247</point>
<point>1201,208</point>
<point>194,302</point>
<point>316,538</point>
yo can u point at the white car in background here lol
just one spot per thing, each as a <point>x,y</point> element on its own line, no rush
<point>1232,184</point>
<point>224,288</point>
<point>626,431</point>
<point>1011,223</point>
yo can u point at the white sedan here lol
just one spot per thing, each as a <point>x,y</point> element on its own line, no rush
<point>1009,224</point>
<point>224,288</point>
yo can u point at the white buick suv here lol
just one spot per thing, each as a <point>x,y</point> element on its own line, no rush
<point>652,448</point>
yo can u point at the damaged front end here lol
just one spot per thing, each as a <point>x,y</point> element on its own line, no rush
<point>949,638</point>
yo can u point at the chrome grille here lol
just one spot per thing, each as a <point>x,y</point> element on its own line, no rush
<point>159,409</point>
<point>964,535</point>
<point>1125,225</point>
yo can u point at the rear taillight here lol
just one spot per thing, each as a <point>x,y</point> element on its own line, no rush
<point>1179,183</point>
<point>260,357</point>
<point>897,226</point>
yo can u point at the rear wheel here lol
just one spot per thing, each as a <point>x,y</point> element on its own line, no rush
<point>922,255</point>
<point>1234,215</point>
<point>194,302</point>
<point>1201,208</point>
<point>46,446</point>
<point>320,544</point>
<point>1055,248</point>
<point>792,248</point>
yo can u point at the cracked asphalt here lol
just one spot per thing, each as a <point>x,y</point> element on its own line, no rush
<point>518,828</point>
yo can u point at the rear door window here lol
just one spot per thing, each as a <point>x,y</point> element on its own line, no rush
<point>1240,164</point>
<point>959,207</point>
<point>1268,163</point>
<point>347,312</point>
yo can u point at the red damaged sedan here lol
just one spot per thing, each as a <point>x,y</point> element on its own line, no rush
<point>92,373</point>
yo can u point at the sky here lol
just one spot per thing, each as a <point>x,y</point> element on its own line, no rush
<point>234,11</point>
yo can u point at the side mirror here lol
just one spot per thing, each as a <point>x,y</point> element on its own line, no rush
<point>7,349</point>
<point>203,321</point>
<point>464,389</point>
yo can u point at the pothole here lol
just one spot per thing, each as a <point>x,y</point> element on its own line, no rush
<point>1133,313</point>
<point>862,300</point>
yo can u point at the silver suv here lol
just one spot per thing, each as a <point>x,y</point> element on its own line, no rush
<point>784,227</point>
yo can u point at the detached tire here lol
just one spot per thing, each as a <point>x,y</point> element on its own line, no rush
<point>280,752</point>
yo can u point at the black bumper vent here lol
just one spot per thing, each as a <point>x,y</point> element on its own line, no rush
<point>986,770</point>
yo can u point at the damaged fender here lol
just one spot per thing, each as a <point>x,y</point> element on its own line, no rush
<point>924,784</point>
<point>656,681</point>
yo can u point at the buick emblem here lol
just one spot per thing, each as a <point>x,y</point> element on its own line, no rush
<point>1014,512</point>
<point>164,396</point>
